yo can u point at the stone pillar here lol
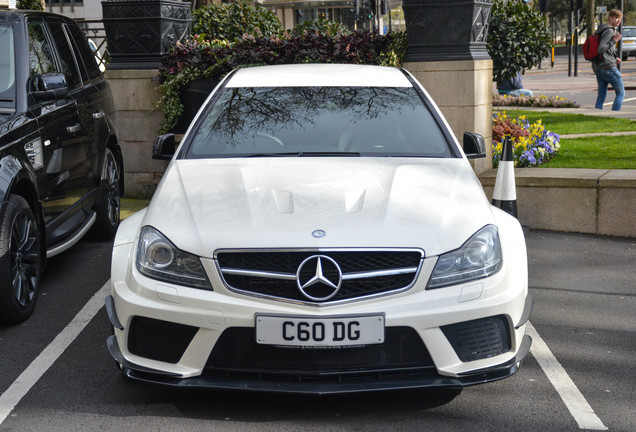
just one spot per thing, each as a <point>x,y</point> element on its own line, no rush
<point>463,91</point>
<point>137,121</point>
<point>447,54</point>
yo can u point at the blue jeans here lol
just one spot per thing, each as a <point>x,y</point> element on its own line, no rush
<point>520,92</point>
<point>613,77</point>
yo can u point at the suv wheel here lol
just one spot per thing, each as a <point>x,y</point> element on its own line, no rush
<point>109,206</point>
<point>20,261</point>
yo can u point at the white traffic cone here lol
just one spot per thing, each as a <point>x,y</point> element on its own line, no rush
<point>505,195</point>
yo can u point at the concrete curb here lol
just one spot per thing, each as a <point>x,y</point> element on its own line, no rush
<point>593,201</point>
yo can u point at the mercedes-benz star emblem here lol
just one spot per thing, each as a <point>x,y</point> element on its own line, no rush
<point>319,278</point>
<point>319,233</point>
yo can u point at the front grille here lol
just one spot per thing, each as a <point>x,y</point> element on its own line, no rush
<point>479,339</point>
<point>159,340</point>
<point>236,351</point>
<point>364,273</point>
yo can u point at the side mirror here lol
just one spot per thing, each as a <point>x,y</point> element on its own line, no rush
<point>50,86</point>
<point>163,147</point>
<point>474,145</point>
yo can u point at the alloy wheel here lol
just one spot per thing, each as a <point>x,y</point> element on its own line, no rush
<point>25,258</point>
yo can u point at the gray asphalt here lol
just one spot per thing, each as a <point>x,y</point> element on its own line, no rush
<point>585,298</point>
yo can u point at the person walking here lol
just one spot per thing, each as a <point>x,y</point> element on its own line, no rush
<point>606,69</point>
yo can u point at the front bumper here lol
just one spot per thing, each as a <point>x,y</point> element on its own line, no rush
<point>186,337</point>
<point>322,384</point>
<point>629,48</point>
<point>194,364</point>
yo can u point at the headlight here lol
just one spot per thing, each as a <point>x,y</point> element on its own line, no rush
<point>478,258</point>
<point>159,259</point>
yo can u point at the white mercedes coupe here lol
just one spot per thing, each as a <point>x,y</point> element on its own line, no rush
<point>319,230</point>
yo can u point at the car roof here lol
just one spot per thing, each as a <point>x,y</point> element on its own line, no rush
<point>319,75</point>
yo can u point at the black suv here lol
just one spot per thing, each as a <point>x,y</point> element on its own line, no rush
<point>60,163</point>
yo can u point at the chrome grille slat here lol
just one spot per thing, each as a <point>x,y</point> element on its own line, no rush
<point>272,273</point>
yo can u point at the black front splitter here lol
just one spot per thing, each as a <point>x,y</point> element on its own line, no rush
<point>311,385</point>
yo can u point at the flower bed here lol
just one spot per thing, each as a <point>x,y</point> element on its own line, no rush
<point>532,101</point>
<point>532,144</point>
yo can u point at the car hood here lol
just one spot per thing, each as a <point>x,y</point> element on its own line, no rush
<point>206,205</point>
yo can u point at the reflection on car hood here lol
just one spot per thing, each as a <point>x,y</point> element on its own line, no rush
<point>205,205</point>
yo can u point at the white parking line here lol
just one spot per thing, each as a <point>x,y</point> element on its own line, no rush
<point>21,386</point>
<point>570,394</point>
<point>624,100</point>
<point>572,397</point>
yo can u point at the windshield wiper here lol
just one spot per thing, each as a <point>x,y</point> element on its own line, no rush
<point>332,153</point>
<point>251,155</point>
<point>302,154</point>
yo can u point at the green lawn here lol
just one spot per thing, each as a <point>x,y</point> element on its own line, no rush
<point>565,123</point>
<point>603,152</point>
<point>596,152</point>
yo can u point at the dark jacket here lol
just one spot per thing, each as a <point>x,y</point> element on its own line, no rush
<point>513,83</point>
<point>606,48</point>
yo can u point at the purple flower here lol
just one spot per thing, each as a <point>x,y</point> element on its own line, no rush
<point>528,155</point>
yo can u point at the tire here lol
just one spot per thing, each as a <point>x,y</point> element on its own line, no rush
<point>624,57</point>
<point>20,261</point>
<point>109,206</point>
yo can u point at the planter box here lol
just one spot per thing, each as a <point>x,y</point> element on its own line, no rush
<point>140,32</point>
<point>192,96</point>
<point>446,30</point>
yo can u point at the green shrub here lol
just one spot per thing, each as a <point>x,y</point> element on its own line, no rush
<point>231,21</point>
<point>518,38</point>
<point>320,26</point>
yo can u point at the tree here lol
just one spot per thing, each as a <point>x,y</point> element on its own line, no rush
<point>30,4</point>
<point>518,38</point>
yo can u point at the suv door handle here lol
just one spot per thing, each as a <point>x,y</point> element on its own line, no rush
<point>98,115</point>
<point>75,128</point>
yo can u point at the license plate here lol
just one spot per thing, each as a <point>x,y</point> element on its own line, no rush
<point>320,332</point>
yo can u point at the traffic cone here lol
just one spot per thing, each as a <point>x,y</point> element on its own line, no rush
<point>505,195</point>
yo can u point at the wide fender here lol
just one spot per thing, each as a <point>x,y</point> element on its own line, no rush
<point>513,241</point>
<point>15,177</point>
<point>12,173</point>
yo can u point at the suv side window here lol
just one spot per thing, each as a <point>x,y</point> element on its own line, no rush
<point>69,66</point>
<point>83,52</point>
<point>41,59</point>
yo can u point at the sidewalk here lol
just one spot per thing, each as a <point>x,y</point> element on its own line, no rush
<point>551,81</point>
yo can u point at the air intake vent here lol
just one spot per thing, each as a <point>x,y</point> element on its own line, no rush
<point>159,340</point>
<point>479,339</point>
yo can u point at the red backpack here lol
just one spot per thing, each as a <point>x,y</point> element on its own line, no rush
<point>590,47</point>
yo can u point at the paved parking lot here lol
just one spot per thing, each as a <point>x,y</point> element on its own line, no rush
<point>58,376</point>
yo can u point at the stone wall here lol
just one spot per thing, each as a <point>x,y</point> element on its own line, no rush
<point>137,120</point>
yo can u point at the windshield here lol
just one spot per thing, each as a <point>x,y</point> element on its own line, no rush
<point>629,31</point>
<point>7,71</point>
<point>297,121</point>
